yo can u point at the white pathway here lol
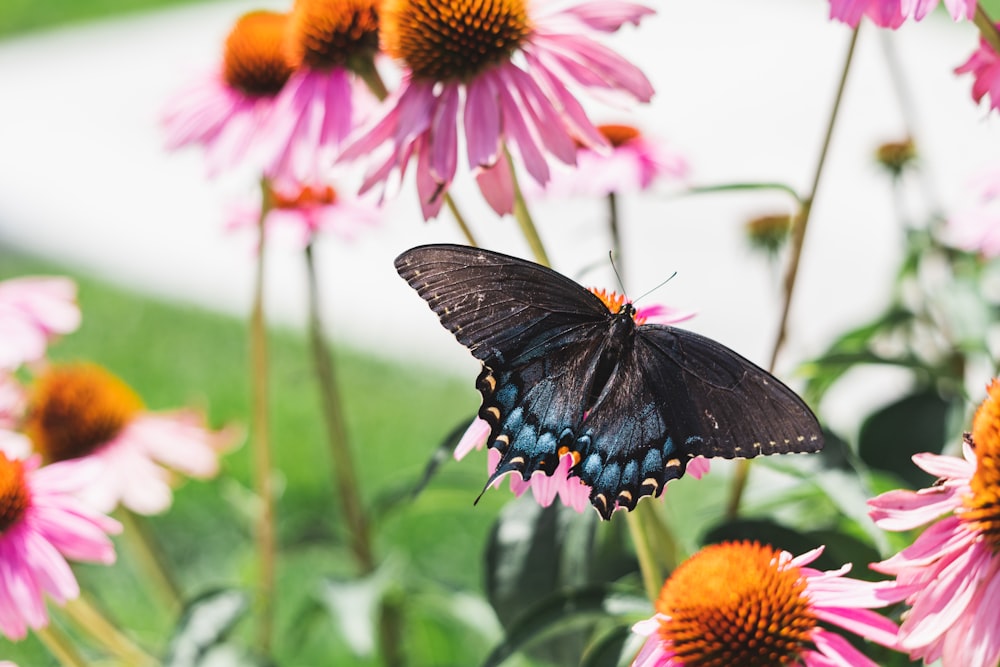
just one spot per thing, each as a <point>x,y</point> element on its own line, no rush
<point>744,88</point>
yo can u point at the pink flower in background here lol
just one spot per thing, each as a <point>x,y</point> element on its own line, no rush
<point>309,210</point>
<point>892,13</point>
<point>32,311</point>
<point>42,524</point>
<point>952,569</point>
<point>562,483</point>
<point>976,227</point>
<point>226,111</point>
<point>634,163</point>
<point>498,71</point>
<point>984,64</point>
<point>323,101</point>
<point>81,411</point>
<point>760,606</point>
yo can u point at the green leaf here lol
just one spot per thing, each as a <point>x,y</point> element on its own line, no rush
<point>611,648</point>
<point>889,438</point>
<point>353,607</point>
<point>442,454</point>
<point>560,614</point>
<point>203,625</point>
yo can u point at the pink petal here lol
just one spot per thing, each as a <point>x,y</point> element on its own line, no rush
<point>608,16</point>
<point>839,650</point>
<point>497,185</point>
<point>482,122</point>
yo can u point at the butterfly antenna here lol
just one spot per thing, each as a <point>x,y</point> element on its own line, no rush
<point>671,277</point>
<point>621,283</point>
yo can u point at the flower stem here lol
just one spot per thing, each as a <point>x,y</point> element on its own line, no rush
<point>260,442</point>
<point>58,644</point>
<point>652,575</point>
<point>460,219</point>
<point>616,237</point>
<point>799,227</point>
<point>987,28</point>
<point>150,559</point>
<point>344,471</point>
<point>524,220</point>
<point>95,624</point>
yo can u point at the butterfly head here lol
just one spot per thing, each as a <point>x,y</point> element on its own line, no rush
<point>617,304</point>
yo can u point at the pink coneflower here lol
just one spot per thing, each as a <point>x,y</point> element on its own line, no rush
<point>82,411</point>
<point>561,482</point>
<point>500,69</point>
<point>634,163</point>
<point>953,567</point>
<point>742,603</point>
<point>308,210</point>
<point>226,110</point>
<point>984,64</point>
<point>32,311</point>
<point>892,13</point>
<point>43,523</point>
<point>976,227</point>
<point>329,42</point>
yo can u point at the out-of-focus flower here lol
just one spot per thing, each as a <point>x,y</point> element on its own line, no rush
<point>561,482</point>
<point>308,210</point>
<point>43,523</point>
<point>635,162</point>
<point>502,67</point>
<point>742,603</point>
<point>984,64</point>
<point>328,43</point>
<point>976,227</point>
<point>82,411</point>
<point>953,567</point>
<point>892,13</point>
<point>226,110</point>
<point>769,232</point>
<point>32,311</point>
<point>896,156</point>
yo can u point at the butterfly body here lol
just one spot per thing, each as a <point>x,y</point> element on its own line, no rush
<point>563,374</point>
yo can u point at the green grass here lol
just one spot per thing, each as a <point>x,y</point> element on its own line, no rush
<point>175,355</point>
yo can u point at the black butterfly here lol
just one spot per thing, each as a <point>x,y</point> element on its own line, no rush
<point>562,373</point>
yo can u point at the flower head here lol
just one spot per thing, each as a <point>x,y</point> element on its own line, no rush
<point>225,111</point>
<point>498,68</point>
<point>976,227</point>
<point>896,156</point>
<point>308,210</point>
<point>43,523</point>
<point>81,411</point>
<point>892,13</point>
<point>634,163</point>
<point>953,567</point>
<point>769,232</point>
<point>984,64</point>
<point>329,43</point>
<point>32,311</point>
<point>743,603</point>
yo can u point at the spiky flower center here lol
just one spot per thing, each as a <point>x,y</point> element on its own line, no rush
<point>307,197</point>
<point>453,40</point>
<point>333,33</point>
<point>76,408</point>
<point>736,604</point>
<point>618,135</point>
<point>982,506</point>
<point>14,496</point>
<point>254,60</point>
<point>614,301</point>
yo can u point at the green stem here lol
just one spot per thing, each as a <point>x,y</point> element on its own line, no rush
<point>616,235</point>
<point>649,568</point>
<point>59,645</point>
<point>525,222</point>
<point>799,227</point>
<point>261,444</point>
<point>460,219</point>
<point>95,624</point>
<point>150,559</point>
<point>987,28</point>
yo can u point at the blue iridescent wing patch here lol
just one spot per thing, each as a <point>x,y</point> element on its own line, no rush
<point>562,373</point>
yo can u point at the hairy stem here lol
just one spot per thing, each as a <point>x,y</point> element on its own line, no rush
<point>97,626</point>
<point>799,227</point>
<point>987,28</point>
<point>616,236</point>
<point>460,220</point>
<point>59,645</point>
